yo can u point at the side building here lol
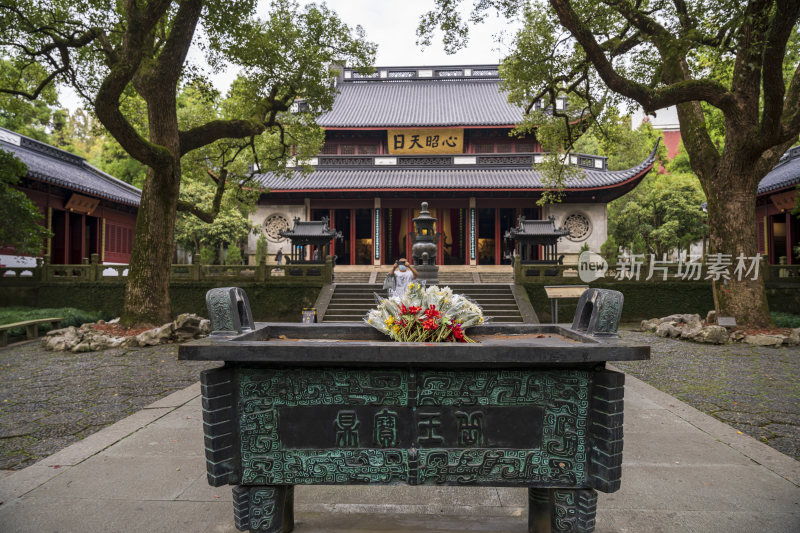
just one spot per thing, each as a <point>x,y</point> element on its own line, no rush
<point>778,229</point>
<point>438,134</point>
<point>88,211</point>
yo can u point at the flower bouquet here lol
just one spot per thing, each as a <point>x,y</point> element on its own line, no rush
<point>432,314</point>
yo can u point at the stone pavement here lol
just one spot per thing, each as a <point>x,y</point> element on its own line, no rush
<point>49,400</point>
<point>683,471</point>
<point>755,389</point>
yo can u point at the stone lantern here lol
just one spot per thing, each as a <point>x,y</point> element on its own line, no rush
<point>425,246</point>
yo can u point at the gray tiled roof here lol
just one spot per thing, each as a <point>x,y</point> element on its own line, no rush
<point>61,168</point>
<point>785,174</point>
<point>314,228</point>
<point>444,178</point>
<point>542,227</point>
<point>421,103</point>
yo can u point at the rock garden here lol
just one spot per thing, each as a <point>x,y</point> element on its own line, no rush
<point>92,337</point>
<point>692,328</point>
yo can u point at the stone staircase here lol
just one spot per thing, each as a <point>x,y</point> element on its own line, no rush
<point>351,277</point>
<point>350,301</point>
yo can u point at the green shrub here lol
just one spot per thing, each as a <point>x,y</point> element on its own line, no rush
<point>610,251</point>
<point>785,320</point>
<point>71,316</point>
<point>207,255</point>
<point>261,249</point>
<point>233,257</point>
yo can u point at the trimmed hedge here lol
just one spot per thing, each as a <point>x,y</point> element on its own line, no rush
<point>276,303</point>
<point>651,299</point>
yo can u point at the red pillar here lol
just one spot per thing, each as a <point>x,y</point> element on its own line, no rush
<point>410,230</point>
<point>789,252</point>
<point>352,236</point>
<point>83,236</point>
<point>66,236</point>
<point>496,235</point>
<point>331,224</point>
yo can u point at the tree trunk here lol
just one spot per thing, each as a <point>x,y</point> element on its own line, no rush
<point>732,229</point>
<point>147,289</point>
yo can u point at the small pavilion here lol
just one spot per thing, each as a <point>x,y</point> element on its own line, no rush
<point>530,233</point>
<point>311,240</point>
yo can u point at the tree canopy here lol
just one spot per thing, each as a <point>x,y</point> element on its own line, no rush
<point>20,220</point>
<point>115,54</point>
<point>730,67</point>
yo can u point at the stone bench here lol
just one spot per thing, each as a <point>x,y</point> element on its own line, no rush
<point>31,328</point>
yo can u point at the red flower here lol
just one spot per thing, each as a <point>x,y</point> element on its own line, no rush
<point>430,324</point>
<point>431,312</point>
<point>458,333</point>
<point>414,309</point>
<point>403,309</point>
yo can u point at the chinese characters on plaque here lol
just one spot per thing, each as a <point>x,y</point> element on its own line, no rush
<point>425,141</point>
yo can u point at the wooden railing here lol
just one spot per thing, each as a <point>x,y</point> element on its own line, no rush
<point>95,271</point>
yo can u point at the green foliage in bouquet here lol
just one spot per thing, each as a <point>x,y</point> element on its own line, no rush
<point>432,314</point>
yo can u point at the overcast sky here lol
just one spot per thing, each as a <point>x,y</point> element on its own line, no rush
<point>392,25</point>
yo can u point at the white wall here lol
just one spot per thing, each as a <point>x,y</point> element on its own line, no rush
<point>598,227</point>
<point>260,216</point>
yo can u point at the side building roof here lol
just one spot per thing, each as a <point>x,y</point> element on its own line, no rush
<point>64,169</point>
<point>785,174</point>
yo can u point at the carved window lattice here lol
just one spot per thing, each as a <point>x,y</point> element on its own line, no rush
<point>426,161</point>
<point>483,72</point>
<point>273,225</point>
<point>505,160</point>
<point>357,75</point>
<point>401,74</point>
<point>579,227</point>
<point>345,161</point>
<point>449,73</point>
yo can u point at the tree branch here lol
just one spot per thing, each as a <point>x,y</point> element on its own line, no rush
<point>650,99</point>
<point>172,56</point>
<point>745,84</point>
<point>780,29</point>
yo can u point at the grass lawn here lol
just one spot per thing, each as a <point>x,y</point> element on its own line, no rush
<point>71,316</point>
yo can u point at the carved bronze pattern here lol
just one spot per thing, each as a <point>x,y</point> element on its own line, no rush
<point>220,311</point>
<point>562,396</point>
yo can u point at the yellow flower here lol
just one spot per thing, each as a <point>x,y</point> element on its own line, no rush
<point>397,328</point>
<point>389,321</point>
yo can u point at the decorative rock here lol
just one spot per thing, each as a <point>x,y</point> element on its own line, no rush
<point>668,329</point>
<point>691,330</point>
<point>711,335</point>
<point>187,326</point>
<point>764,340</point>
<point>114,321</point>
<point>205,326</point>
<point>650,325</point>
<point>155,336</point>
<point>793,339</point>
<point>737,336</point>
<point>681,318</point>
<point>711,317</point>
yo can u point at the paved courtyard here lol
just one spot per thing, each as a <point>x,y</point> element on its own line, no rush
<point>755,389</point>
<point>52,399</point>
